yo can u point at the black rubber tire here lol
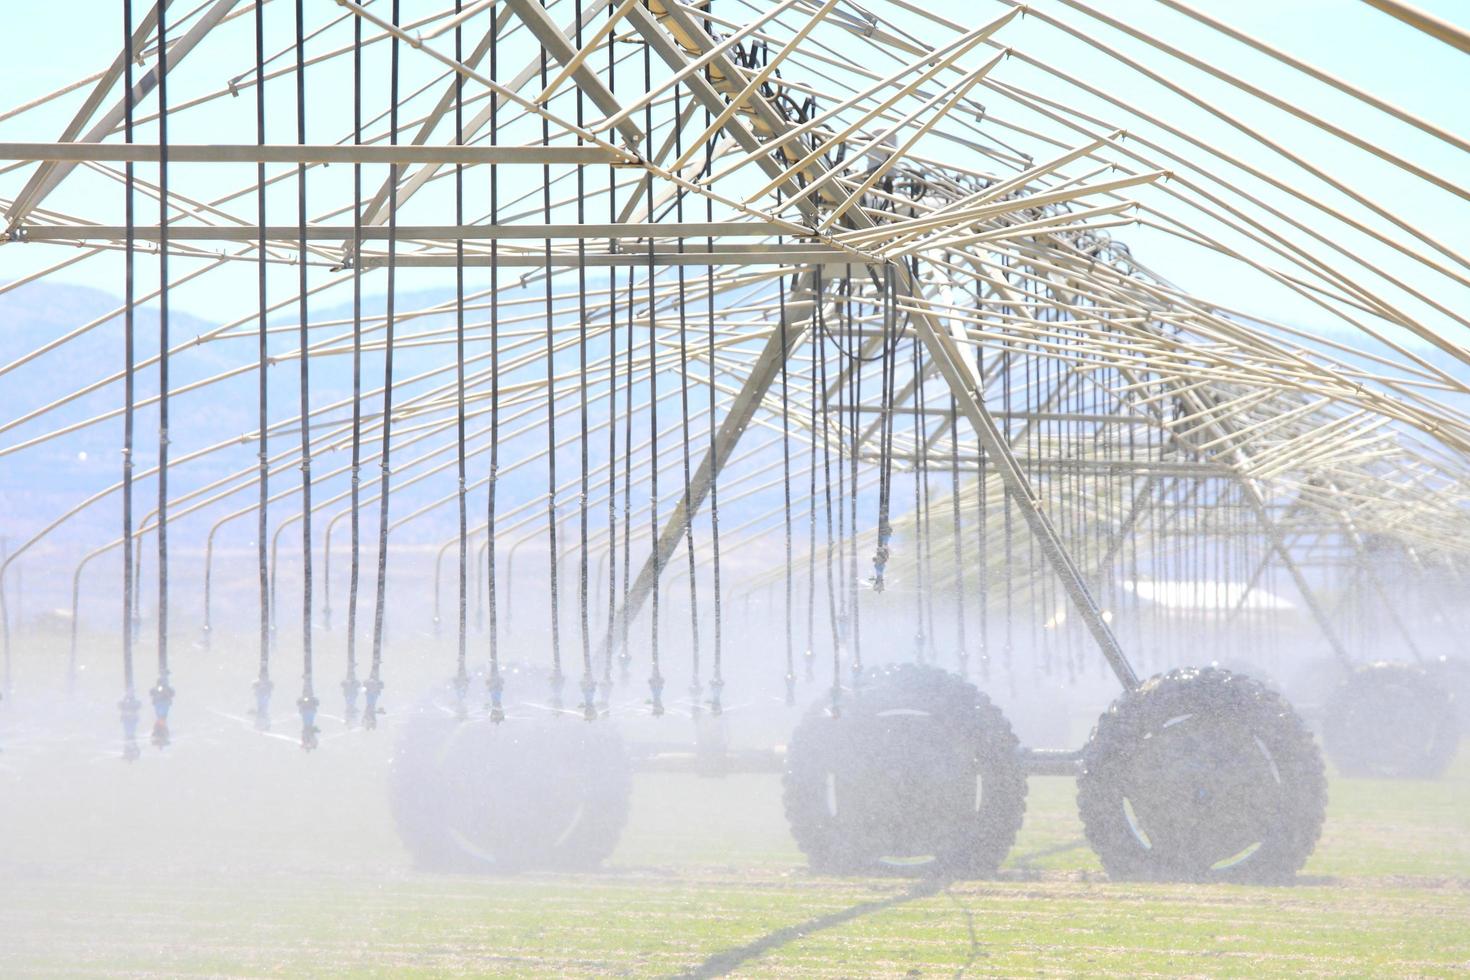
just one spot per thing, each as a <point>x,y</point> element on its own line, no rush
<point>919,774</point>
<point>1202,775</point>
<point>542,794</point>
<point>1391,721</point>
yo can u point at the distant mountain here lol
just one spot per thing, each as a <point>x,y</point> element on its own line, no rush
<point>41,482</point>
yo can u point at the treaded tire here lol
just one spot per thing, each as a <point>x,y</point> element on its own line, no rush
<point>1202,775</point>
<point>523,794</point>
<point>1391,721</point>
<point>919,774</point>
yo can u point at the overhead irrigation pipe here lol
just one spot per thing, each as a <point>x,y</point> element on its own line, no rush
<point>1251,131</point>
<point>278,428</point>
<point>51,173</point>
<point>420,477</point>
<point>447,498</point>
<point>1303,259</point>
<point>1349,389</point>
<point>1422,20</point>
<point>538,500</point>
<point>246,475</point>
<point>435,429</point>
<point>417,434</point>
<point>641,511</point>
<point>593,427</point>
<point>640,480</point>
<point>336,518</point>
<point>569,440</point>
<point>484,482</point>
<point>216,334</point>
<point>1330,242</point>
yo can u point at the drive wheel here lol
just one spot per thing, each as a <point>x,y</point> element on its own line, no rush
<point>1202,775</point>
<point>473,795</point>
<point>1391,721</point>
<point>919,774</point>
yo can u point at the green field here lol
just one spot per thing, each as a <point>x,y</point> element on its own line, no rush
<point>238,855</point>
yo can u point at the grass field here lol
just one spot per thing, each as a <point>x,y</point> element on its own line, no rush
<point>237,855</point>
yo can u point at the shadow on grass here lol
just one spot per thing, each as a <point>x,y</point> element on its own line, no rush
<point>724,961</point>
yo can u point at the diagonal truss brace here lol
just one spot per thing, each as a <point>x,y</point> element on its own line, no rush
<point>1222,430</point>
<point>551,37</point>
<point>55,170</point>
<point>958,373</point>
<point>767,367</point>
<point>964,383</point>
<point>1360,549</point>
<point>1283,552</point>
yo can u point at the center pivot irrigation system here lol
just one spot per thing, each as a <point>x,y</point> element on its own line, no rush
<point>790,337</point>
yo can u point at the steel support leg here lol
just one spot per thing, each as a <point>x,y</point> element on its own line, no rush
<point>742,409</point>
<point>1283,552</point>
<point>1222,429</point>
<point>964,383</point>
<point>1351,530</point>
